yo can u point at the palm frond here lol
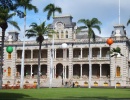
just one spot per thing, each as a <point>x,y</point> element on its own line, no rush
<point>95,21</point>
<point>31,7</point>
<point>81,21</point>
<point>58,9</point>
<point>128,22</point>
<point>97,27</point>
<point>30,35</point>
<point>13,23</point>
<point>51,9</point>
<point>90,24</point>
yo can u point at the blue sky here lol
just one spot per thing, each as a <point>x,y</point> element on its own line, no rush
<point>107,11</point>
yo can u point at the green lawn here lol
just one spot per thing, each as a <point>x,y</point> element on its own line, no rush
<point>65,94</point>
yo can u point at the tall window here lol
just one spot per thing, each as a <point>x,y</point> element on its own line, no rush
<point>62,34</point>
<point>57,35</point>
<point>66,34</point>
<point>9,55</point>
<point>9,71</point>
<point>118,71</point>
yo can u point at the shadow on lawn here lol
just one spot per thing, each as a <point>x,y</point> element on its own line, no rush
<point>18,96</point>
<point>12,96</point>
<point>95,98</point>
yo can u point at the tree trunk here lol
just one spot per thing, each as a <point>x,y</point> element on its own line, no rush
<point>2,53</point>
<point>39,66</point>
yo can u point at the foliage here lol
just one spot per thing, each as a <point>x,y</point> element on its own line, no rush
<point>94,23</point>
<point>38,31</point>
<point>128,22</point>
<point>6,3</point>
<point>117,50</point>
<point>51,9</point>
<point>5,18</point>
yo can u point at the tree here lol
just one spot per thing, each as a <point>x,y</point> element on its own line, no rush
<point>94,23</point>
<point>9,4</point>
<point>51,9</point>
<point>5,19</point>
<point>26,4</point>
<point>116,52</point>
<point>38,31</point>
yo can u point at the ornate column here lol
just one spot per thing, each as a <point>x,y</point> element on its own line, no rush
<point>31,54</point>
<point>100,52</point>
<point>53,73</point>
<point>100,70</point>
<point>31,70</point>
<point>55,53</point>
<point>81,52</point>
<point>65,72</point>
<point>80,70</point>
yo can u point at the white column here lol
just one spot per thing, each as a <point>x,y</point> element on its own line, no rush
<point>100,70</point>
<point>55,53</point>
<point>65,53</point>
<point>80,70</point>
<point>81,52</point>
<point>31,54</point>
<point>65,72</point>
<point>53,76</point>
<point>31,70</point>
<point>16,54</point>
<point>55,72</point>
<point>100,52</point>
<point>91,53</point>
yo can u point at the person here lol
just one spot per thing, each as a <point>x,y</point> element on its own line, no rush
<point>66,84</point>
<point>73,85</point>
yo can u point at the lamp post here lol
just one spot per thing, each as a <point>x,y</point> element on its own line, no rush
<point>64,46</point>
<point>110,42</point>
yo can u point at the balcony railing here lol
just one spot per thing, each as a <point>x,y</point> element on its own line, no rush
<point>69,41</point>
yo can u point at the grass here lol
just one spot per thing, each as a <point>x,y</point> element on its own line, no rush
<point>65,94</point>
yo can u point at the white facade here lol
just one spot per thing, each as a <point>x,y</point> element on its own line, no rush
<point>71,62</point>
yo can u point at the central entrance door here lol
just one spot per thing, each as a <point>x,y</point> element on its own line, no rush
<point>59,70</point>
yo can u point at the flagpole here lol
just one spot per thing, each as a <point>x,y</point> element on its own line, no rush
<point>119,12</point>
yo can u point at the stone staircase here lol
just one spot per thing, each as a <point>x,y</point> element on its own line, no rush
<point>55,83</point>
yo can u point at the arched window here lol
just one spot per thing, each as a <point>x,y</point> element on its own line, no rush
<point>66,34</point>
<point>118,71</point>
<point>57,35</point>
<point>9,71</point>
<point>62,34</point>
<point>9,55</point>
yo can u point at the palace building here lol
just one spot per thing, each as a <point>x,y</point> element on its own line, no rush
<point>70,64</point>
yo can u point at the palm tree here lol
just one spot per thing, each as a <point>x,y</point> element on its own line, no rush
<point>38,31</point>
<point>26,4</point>
<point>51,9</point>
<point>94,23</point>
<point>5,19</point>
